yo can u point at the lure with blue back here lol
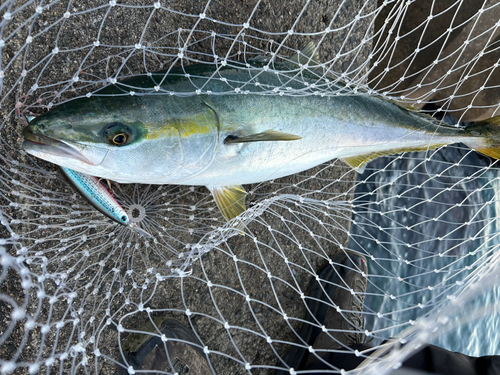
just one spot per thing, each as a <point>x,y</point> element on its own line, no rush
<point>100,198</point>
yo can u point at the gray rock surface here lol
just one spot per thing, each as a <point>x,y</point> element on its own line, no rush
<point>116,281</point>
<point>446,47</point>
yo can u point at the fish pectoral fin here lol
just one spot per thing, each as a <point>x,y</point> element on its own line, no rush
<point>229,199</point>
<point>266,136</point>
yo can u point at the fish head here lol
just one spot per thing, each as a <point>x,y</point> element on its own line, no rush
<point>121,142</point>
<point>60,140</point>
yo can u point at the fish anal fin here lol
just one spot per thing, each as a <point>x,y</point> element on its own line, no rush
<point>266,136</point>
<point>358,162</point>
<point>229,199</point>
<point>493,152</point>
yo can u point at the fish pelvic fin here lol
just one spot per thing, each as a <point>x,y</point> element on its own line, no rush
<point>266,136</point>
<point>489,133</point>
<point>229,199</point>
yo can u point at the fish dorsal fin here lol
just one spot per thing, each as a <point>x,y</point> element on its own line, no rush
<point>359,162</point>
<point>408,107</point>
<point>229,199</point>
<point>306,56</point>
<point>260,59</point>
<point>265,136</point>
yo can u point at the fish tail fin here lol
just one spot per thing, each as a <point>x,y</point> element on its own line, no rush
<point>488,132</point>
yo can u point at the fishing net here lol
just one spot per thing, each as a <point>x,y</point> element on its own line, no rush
<point>75,286</point>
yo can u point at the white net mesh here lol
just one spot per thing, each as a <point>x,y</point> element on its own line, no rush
<point>74,284</point>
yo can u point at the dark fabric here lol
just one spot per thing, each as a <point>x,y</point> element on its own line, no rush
<point>317,308</point>
<point>432,359</point>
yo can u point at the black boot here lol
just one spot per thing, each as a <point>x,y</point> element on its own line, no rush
<point>335,304</point>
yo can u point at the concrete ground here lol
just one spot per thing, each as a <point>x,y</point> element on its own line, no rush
<point>117,280</point>
<point>113,272</point>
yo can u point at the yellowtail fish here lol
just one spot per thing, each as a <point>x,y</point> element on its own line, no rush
<point>97,195</point>
<point>221,139</point>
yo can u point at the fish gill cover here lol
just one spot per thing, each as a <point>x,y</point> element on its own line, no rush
<point>75,285</point>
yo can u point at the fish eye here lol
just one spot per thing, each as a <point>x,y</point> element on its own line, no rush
<point>124,218</point>
<point>118,134</point>
<point>119,139</point>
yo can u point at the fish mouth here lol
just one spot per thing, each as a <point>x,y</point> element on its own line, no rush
<point>36,143</point>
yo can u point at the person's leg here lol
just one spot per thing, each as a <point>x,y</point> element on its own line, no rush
<point>431,359</point>
<point>344,359</point>
<point>437,360</point>
<point>336,302</point>
<point>335,305</point>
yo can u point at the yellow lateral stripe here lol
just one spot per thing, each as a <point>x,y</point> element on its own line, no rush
<point>197,124</point>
